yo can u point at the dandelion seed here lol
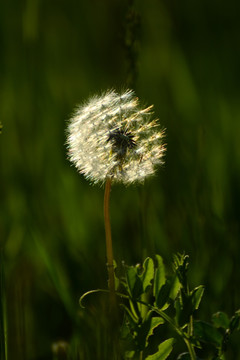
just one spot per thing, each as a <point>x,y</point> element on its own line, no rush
<point>111,136</point>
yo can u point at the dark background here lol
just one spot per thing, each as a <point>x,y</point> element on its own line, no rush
<point>184,58</point>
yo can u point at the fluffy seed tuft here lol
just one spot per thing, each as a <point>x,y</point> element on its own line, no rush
<point>111,136</point>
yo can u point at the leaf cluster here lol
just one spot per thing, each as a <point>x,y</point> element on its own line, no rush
<point>154,299</point>
<point>151,299</point>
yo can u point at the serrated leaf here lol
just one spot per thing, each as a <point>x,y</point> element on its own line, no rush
<point>220,320</point>
<point>134,282</point>
<point>147,274</point>
<point>207,333</point>
<point>164,350</point>
<point>159,278</point>
<point>145,329</point>
<point>196,295</point>
<point>155,322</point>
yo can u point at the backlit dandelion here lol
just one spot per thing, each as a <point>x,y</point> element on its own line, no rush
<point>111,136</point>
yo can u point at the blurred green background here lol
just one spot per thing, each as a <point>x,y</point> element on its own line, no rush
<point>184,58</point>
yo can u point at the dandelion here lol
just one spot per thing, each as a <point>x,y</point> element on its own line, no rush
<point>111,136</point>
<point>111,139</point>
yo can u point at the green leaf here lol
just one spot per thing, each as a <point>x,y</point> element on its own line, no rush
<point>129,355</point>
<point>186,304</point>
<point>134,282</point>
<point>155,322</point>
<point>180,265</point>
<point>183,306</point>
<point>207,333</point>
<point>145,329</point>
<point>220,320</point>
<point>142,308</point>
<point>116,279</point>
<point>134,308</point>
<point>162,299</point>
<point>196,295</point>
<point>175,287</point>
<point>164,350</point>
<point>147,274</point>
<point>160,278</point>
<point>235,321</point>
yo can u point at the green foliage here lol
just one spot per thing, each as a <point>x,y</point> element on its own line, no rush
<point>207,333</point>
<point>153,300</point>
<point>220,320</point>
<point>164,349</point>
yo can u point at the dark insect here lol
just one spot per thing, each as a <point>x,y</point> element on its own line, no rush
<point>121,140</point>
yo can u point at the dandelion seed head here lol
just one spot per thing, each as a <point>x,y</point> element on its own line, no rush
<point>111,136</point>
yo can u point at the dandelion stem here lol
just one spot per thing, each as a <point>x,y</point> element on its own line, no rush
<point>109,248</point>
